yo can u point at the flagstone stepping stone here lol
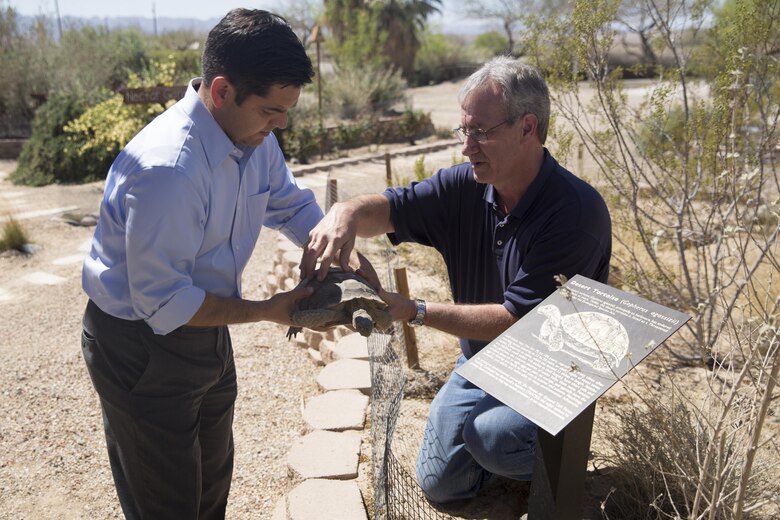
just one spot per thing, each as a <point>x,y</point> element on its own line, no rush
<point>67,260</point>
<point>43,278</point>
<point>344,374</point>
<point>350,346</point>
<point>324,454</point>
<point>318,499</point>
<point>337,410</point>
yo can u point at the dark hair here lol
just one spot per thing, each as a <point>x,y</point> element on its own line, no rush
<point>255,49</point>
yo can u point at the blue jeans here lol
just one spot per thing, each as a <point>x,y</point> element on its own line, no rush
<point>469,437</point>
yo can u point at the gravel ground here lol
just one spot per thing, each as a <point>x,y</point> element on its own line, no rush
<point>53,462</point>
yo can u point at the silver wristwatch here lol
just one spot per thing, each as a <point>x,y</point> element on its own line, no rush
<point>419,318</point>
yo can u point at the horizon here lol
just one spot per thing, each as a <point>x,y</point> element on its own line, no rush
<point>182,9</point>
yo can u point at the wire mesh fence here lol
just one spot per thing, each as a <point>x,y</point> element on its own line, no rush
<point>396,493</point>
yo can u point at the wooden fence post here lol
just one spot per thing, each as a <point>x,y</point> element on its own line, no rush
<point>331,194</point>
<point>388,170</point>
<point>410,338</point>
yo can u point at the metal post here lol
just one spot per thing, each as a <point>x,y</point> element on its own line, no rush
<point>558,483</point>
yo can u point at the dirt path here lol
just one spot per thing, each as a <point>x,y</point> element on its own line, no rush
<point>53,462</point>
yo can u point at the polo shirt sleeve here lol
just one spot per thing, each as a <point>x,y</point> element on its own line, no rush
<point>573,242</point>
<point>292,209</point>
<point>165,218</point>
<point>419,212</point>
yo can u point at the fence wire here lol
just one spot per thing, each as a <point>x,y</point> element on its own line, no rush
<point>396,493</point>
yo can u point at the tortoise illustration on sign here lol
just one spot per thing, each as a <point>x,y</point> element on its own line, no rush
<point>599,338</point>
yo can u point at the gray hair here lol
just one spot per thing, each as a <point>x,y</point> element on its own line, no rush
<point>524,90</point>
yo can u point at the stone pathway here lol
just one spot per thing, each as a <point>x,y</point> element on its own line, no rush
<point>327,457</point>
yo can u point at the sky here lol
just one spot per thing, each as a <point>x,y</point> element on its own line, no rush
<point>199,9</point>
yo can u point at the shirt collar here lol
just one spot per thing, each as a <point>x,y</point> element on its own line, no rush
<point>548,166</point>
<point>216,144</point>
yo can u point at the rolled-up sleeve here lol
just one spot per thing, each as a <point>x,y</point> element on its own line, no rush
<point>165,216</point>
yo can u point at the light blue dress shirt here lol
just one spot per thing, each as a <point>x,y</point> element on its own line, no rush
<point>181,213</point>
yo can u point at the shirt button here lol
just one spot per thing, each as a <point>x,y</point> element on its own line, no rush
<point>500,242</point>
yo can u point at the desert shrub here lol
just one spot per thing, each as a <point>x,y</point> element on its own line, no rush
<point>699,182</point>
<point>45,157</point>
<point>74,142</point>
<point>491,43</point>
<point>414,124</point>
<point>358,91</point>
<point>301,142</point>
<point>36,65</point>
<point>185,62</point>
<point>25,80</point>
<point>91,58</point>
<point>97,136</point>
<point>439,59</point>
<point>14,237</point>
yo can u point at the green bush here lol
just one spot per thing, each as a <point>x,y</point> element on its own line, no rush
<point>72,142</point>
<point>491,43</point>
<point>185,62</point>
<point>44,158</point>
<point>92,58</point>
<point>97,136</point>
<point>438,59</point>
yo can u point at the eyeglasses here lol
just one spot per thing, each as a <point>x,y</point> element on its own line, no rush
<point>477,134</point>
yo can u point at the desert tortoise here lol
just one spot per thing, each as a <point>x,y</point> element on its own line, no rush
<point>342,298</point>
<point>594,334</point>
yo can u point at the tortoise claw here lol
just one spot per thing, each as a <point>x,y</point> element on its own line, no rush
<point>292,331</point>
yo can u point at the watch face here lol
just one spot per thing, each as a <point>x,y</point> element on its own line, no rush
<point>419,319</point>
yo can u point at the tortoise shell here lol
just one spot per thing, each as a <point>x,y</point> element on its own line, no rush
<point>342,298</point>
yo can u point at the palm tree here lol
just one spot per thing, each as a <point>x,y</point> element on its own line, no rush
<point>401,21</point>
<point>404,21</point>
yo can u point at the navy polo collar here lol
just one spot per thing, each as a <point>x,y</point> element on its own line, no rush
<point>548,167</point>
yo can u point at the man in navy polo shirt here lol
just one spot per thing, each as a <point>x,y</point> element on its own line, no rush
<point>507,222</point>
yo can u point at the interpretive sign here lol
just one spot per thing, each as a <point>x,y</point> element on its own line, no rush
<point>135,96</point>
<point>570,349</point>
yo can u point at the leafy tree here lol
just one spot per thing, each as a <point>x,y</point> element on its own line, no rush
<point>493,43</point>
<point>302,16</point>
<point>357,36</point>
<point>401,21</point>
<point>691,177</point>
<point>514,15</point>
<point>25,81</point>
<point>404,21</point>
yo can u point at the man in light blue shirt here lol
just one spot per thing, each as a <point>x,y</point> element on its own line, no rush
<point>183,207</point>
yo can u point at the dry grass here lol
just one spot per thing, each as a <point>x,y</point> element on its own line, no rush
<point>14,236</point>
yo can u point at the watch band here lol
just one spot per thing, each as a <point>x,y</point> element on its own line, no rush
<point>419,318</point>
